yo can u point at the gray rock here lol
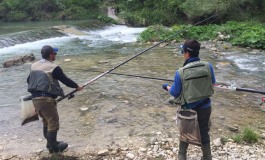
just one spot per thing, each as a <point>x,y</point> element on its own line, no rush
<point>19,60</point>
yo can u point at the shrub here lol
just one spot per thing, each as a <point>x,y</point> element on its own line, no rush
<point>245,34</point>
<point>16,16</point>
<point>155,33</point>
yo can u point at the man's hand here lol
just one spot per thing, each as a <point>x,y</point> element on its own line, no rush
<point>165,86</point>
<point>79,88</point>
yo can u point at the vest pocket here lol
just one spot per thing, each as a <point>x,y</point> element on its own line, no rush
<point>197,88</point>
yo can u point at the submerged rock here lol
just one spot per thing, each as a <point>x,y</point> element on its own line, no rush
<point>19,60</point>
<point>69,30</point>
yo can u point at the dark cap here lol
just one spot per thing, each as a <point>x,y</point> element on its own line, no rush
<point>47,50</point>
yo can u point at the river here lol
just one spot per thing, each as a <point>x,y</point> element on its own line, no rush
<point>121,110</point>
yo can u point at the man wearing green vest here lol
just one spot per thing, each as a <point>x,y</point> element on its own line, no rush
<point>192,87</point>
<point>43,84</point>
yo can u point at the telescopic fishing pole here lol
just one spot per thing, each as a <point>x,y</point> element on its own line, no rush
<point>218,85</point>
<point>71,94</point>
<point>239,89</point>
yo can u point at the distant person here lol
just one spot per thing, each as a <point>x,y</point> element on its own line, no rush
<point>192,87</point>
<point>44,87</point>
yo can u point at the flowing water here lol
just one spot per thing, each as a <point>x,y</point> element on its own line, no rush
<point>121,110</point>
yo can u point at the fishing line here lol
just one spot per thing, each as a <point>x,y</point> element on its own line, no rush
<point>131,75</point>
<point>217,85</point>
<point>71,94</point>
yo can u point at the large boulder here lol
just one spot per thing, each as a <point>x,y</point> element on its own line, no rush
<point>19,60</point>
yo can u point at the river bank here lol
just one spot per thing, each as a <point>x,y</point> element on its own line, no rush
<point>157,147</point>
<point>119,114</point>
<point>139,126</point>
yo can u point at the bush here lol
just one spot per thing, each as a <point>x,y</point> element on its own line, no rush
<point>106,19</point>
<point>155,33</point>
<point>16,16</point>
<point>245,34</point>
<point>77,12</point>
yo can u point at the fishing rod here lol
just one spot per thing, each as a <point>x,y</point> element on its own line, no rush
<point>71,94</point>
<point>239,89</point>
<point>218,85</point>
<point>131,75</point>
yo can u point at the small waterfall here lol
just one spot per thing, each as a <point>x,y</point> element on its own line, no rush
<point>8,40</point>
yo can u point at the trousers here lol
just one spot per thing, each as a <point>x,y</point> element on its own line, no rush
<point>46,107</point>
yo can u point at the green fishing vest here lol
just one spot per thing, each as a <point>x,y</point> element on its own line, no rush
<point>41,79</point>
<point>196,82</point>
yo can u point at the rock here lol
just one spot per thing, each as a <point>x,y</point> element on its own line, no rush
<point>18,60</point>
<point>130,155</point>
<point>142,150</point>
<point>233,128</point>
<point>153,140</point>
<point>104,152</point>
<point>68,30</point>
<point>67,60</point>
<point>217,142</point>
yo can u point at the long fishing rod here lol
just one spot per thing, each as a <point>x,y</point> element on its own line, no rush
<point>71,94</point>
<point>239,89</point>
<point>218,85</point>
<point>131,75</point>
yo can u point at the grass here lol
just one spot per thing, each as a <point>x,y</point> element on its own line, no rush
<point>248,136</point>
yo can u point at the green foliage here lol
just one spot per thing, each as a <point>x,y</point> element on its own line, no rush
<point>250,136</point>
<point>136,12</point>
<point>17,16</point>
<point>76,12</point>
<point>170,12</point>
<point>202,33</point>
<point>154,33</point>
<point>237,138</point>
<point>22,10</point>
<point>106,19</point>
<point>148,12</point>
<point>245,34</point>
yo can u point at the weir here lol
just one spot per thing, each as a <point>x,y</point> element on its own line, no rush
<point>12,39</point>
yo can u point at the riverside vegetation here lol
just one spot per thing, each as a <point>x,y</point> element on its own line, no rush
<point>244,34</point>
<point>135,12</point>
<point>146,13</point>
<point>243,26</point>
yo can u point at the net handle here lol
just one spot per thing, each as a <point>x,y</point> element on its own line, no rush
<point>187,110</point>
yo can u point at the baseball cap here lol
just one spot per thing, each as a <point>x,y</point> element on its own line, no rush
<point>47,50</point>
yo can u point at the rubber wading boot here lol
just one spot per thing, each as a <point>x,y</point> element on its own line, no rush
<point>54,146</point>
<point>183,146</point>
<point>206,152</point>
<point>45,131</point>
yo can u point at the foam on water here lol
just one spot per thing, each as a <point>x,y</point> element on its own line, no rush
<point>248,62</point>
<point>95,38</point>
<point>117,33</point>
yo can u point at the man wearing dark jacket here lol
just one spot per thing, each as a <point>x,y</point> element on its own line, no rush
<point>43,84</point>
<point>192,87</point>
